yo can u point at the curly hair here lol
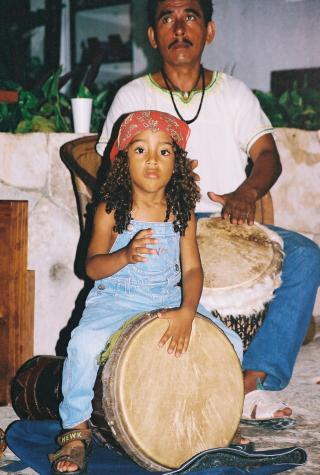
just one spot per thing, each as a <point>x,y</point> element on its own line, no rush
<point>181,192</point>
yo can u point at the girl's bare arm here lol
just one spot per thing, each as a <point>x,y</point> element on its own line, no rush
<point>100,263</point>
<point>192,273</point>
<point>180,320</point>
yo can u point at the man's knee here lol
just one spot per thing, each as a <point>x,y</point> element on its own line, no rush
<point>308,253</point>
<point>301,249</point>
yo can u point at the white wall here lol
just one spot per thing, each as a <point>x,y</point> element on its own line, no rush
<point>254,37</point>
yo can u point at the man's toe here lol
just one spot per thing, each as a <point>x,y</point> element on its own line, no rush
<point>285,412</point>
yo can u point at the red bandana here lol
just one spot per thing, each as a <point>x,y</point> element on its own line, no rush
<point>155,121</point>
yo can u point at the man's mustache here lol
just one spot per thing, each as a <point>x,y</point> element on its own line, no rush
<point>181,42</point>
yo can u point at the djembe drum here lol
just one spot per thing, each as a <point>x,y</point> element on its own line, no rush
<point>242,268</point>
<point>162,410</point>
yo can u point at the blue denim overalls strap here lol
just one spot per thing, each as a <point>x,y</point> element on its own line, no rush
<point>158,276</point>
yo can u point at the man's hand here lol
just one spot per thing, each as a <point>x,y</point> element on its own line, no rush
<point>138,246</point>
<point>238,206</point>
<point>178,331</point>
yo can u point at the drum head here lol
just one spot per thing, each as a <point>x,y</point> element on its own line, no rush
<point>241,265</point>
<point>163,409</point>
<point>241,254</point>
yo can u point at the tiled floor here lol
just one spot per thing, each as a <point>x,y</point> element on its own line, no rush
<point>303,395</point>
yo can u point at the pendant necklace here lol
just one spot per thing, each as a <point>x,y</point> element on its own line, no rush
<point>185,94</point>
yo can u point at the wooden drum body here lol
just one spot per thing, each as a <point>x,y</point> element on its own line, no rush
<point>162,410</point>
<point>242,268</point>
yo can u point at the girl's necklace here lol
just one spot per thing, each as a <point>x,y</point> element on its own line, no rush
<point>186,94</point>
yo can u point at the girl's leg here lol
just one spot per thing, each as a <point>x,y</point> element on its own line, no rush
<point>80,372</point>
<point>79,375</point>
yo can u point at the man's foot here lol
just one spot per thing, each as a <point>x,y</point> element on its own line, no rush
<point>75,447</point>
<point>260,404</point>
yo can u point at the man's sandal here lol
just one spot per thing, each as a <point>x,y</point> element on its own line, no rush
<point>76,455</point>
<point>258,410</point>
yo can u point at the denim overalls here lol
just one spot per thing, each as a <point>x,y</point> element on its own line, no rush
<point>136,288</point>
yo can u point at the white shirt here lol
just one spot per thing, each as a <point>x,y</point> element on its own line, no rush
<point>229,123</point>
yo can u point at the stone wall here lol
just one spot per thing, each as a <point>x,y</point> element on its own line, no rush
<point>296,194</point>
<point>31,169</point>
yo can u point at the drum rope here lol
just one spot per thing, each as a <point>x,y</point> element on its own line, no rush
<point>105,354</point>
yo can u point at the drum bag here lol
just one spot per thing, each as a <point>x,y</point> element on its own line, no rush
<point>32,441</point>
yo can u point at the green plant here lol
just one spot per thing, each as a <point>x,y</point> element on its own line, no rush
<point>297,108</point>
<point>47,109</point>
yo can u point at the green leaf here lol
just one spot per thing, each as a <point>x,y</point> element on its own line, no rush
<point>24,127</point>
<point>46,109</point>
<point>42,124</point>
<point>284,98</point>
<point>84,92</point>
<point>28,103</point>
<point>100,98</point>
<point>65,102</point>
<point>50,88</point>
<point>271,107</point>
<point>311,97</point>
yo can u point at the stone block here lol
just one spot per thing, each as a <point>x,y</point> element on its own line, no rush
<point>24,160</point>
<point>296,194</point>
<point>59,184</point>
<point>53,240</point>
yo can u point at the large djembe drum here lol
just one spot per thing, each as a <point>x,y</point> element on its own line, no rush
<point>160,409</point>
<point>242,268</point>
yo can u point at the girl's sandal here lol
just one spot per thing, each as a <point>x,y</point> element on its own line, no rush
<point>238,442</point>
<point>76,455</point>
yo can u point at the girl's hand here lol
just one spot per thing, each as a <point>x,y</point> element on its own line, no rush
<point>179,329</point>
<point>138,246</point>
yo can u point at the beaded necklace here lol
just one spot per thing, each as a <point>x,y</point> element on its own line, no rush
<point>185,94</point>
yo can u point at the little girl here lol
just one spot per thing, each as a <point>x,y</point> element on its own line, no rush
<point>143,244</point>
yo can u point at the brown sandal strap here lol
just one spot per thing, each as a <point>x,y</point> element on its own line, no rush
<point>84,435</point>
<point>76,455</point>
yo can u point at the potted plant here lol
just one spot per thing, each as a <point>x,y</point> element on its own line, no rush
<point>46,109</point>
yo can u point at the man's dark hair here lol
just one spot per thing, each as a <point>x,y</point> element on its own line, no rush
<point>206,5</point>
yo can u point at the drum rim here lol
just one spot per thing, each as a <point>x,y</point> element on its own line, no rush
<point>109,371</point>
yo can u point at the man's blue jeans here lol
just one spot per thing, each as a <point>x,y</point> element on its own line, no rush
<point>275,346</point>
